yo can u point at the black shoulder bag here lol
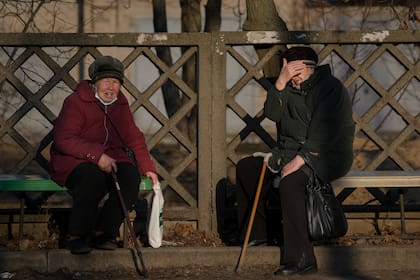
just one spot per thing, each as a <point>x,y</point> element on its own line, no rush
<point>326,219</point>
<point>130,153</point>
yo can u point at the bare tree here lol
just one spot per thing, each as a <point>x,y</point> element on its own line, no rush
<point>190,22</point>
<point>170,92</point>
<point>213,16</point>
<point>25,16</point>
<point>262,15</point>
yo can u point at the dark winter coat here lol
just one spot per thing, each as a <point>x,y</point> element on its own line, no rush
<point>82,133</point>
<point>315,122</point>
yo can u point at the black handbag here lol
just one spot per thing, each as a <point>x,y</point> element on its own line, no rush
<point>326,219</point>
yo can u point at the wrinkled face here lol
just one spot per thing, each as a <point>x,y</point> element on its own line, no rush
<point>303,75</point>
<point>108,88</point>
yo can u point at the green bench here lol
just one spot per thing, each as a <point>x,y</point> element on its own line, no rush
<point>38,183</point>
<point>26,183</point>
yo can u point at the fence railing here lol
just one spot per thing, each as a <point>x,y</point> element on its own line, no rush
<point>37,71</point>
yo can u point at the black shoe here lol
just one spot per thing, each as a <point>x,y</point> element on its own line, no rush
<point>233,241</point>
<point>279,270</point>
<point>105,243</point>
<point>303,266</point>
<point>257,242</point>
<point>79,246</point>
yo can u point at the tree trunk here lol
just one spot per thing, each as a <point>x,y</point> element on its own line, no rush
<point>262,16</point>
<point>191,22</point>
<point>170,92</point>
<point>190,15</point>
<point>213,15</point>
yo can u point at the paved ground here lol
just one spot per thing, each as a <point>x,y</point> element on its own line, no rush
<point>213,273</point>
<point>212,263</point>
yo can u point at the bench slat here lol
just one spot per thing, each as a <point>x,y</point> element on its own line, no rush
<point>11,182</point>
<point>364,179</point>
<point>30,185</point>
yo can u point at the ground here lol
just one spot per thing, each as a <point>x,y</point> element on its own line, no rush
<point>186,235</point>
<point>211,273</point>
<point>181,234</point>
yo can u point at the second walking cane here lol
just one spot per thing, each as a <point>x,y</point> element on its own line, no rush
<point>130,227</point>
<point>252,216</point>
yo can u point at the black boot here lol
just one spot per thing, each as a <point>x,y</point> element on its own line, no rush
<point>282,262</point>
<point>105,242</point>
<point>79,246</point>
<point>303,266</point>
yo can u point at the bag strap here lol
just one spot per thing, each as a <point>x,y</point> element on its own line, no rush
<point>130,153</point>
<point>112,124</point>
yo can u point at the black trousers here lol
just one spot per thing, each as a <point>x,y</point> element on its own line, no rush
<point>291,190</point>
<point>88,185</point>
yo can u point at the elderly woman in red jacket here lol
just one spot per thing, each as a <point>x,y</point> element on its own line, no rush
<point>93,129</point>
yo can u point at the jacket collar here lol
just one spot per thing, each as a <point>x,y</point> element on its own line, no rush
<point>320,71</point>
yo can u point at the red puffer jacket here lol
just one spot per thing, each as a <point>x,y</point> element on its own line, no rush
<point>82,133</point>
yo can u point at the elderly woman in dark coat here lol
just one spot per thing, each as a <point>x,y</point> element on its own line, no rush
<point>313,115</point>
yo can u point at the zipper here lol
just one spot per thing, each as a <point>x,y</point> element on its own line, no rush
<point>106,128</point>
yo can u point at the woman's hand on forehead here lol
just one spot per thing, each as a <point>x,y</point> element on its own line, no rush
<point>296,67</point>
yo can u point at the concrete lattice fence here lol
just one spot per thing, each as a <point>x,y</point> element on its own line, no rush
<point>37,71</point>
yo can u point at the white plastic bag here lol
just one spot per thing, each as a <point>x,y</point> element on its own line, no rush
<point>155,230</point>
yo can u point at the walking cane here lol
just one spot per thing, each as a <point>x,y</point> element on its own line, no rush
<point>253,211</point>
<point>130,227</point>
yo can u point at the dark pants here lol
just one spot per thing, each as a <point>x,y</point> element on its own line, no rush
<point>292,202</point>
<point>88,185</point>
